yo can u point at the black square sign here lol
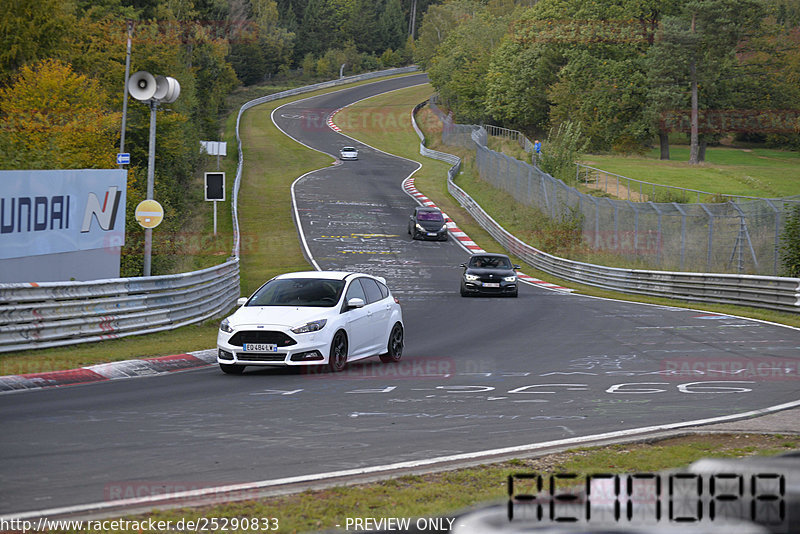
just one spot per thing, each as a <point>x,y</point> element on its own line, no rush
<point>215,186</point>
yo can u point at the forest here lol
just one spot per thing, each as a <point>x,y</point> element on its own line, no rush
<point>631,73</point>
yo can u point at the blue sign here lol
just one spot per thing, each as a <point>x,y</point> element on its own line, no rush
<point>123,158</point>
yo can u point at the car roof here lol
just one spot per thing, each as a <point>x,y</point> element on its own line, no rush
<point>326,275</point>
<point>348,148</point>
<point>490,255</point>
<point>428,208</point>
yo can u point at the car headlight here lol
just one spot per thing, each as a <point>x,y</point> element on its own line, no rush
<point>225,326</point>
<point>510,279</point>
<point>420,228</point>
<point>312,326</point>
<point>443,228</point>
<point>470,277</point>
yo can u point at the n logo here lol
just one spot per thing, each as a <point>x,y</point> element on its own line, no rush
<point>105,214</point>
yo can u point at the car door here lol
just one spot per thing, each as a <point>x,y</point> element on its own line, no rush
<point>358,322</point>
<point>379,315</point>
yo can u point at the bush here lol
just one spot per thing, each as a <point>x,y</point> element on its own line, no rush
<point>561,150</point>
<point>790,243</point>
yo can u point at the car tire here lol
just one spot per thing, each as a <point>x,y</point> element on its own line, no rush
<point>515,294</point>
<point>231,368</point>
<point>394,347</point>
<point>464,291</point>
<point>337,358</point>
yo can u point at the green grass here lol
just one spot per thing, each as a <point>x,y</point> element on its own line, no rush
<point>449,492</point>
<point>734,171</point>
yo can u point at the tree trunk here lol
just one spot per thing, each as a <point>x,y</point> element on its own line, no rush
<point>693,138</point>
<point>701,151</point>
<point>663,140</point>
<point>413,19</point>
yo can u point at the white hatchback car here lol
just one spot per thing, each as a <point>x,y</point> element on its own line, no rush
<point>348,152</point>
<point>312,318</point>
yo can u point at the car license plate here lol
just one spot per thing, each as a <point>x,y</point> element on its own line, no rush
<point>260,347</point>
<point>491,284</point>
<point>431,234</point>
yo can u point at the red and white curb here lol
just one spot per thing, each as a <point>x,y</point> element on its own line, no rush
<point>330,122</point>
<point>466,241</point>
<point>109,371</point>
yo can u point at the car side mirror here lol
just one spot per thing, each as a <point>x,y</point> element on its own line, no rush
<point>515,266</point>
<point>463,265</point>
<point>355,302</point>
<point>241,301</point>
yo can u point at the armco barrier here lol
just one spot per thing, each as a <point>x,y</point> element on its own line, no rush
<point>772,292</point>
<point>52,314</point>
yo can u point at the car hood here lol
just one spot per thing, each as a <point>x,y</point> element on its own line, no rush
<point>288,316</point>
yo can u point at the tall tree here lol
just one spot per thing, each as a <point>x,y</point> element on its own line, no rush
<point>30,31</point>
<point>52,117</point>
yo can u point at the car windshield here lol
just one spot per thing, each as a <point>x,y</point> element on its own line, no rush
<point>304,292</point>
<point>490,262</point>
<point>430,216</point>
<point>348,149</point>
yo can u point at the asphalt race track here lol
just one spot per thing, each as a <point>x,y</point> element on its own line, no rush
<point>477,374</point>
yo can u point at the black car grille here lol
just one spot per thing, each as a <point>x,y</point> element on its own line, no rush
<point>248,357</point>
<point>261,336</point>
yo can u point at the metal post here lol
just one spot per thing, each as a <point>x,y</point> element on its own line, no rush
<point>683,232</point>
<point>125,90</point>
<point>151,164</point>
<point>776,247</point>
<point>658,235</point>
<point>710,235</point>
<point>215,217</point>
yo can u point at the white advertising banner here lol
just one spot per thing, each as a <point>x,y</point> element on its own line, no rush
<point>50,212</point>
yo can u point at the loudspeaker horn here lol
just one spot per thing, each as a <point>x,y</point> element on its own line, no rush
<point>142,85</point>
<point>173,91</point>
<point>162,86</point>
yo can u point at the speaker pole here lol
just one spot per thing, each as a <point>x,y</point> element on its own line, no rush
<point>151,165</point>
<point>125,96</point>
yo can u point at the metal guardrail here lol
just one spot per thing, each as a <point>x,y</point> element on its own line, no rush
<point>52,314</point>
<point>771,292</point>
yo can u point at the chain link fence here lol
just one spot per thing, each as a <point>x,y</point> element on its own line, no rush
<point>741,235</point>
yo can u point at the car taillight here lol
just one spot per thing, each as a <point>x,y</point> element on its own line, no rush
<point>396,301</point>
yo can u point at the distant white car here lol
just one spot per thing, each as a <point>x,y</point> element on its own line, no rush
<point>326,318</point>
<point>348,152</point>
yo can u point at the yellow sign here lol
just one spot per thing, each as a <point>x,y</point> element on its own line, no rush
<point>149,213</point>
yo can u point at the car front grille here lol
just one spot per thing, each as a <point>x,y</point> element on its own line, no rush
<point>261,336</point>
<point>250,357</point>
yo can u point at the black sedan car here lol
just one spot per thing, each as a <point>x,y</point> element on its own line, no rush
<point>489,274</point>
<point>427,223</point>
